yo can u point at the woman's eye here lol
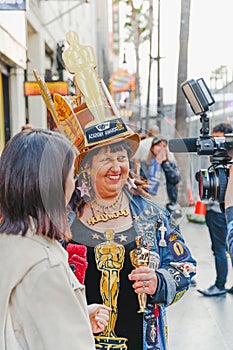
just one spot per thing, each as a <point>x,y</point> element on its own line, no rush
<point>122,158</point>
<point>108,159</point>
<point>105,160</point>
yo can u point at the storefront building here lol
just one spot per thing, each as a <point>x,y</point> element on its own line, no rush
<point>32,33</point>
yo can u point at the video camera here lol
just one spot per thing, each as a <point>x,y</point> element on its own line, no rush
<point>212,181</point>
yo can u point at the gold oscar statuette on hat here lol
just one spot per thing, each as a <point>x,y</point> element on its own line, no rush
<point>109,257</point>
<point>90,119</point>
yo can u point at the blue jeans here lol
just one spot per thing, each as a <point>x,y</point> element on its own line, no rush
<point>216,223</point>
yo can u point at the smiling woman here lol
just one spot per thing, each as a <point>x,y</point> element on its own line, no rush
<point>110,212</point>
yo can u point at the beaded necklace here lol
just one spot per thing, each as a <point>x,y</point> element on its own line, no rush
<point>106,213</point>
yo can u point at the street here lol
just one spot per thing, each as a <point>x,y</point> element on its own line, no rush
<point>198,322</point>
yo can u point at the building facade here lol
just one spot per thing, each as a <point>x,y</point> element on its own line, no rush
<point>33,39</point>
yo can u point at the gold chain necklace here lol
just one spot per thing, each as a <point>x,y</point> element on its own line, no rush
<point>107,208</point>
<point>105,214</point>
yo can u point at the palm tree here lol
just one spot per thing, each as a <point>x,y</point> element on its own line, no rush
<point>181,112</point>
<point>150,26</point>
<point>138,24</point>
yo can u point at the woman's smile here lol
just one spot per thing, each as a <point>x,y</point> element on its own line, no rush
<point>114,178</point>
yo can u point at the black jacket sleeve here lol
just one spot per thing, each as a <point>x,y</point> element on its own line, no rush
<point>171,172</point>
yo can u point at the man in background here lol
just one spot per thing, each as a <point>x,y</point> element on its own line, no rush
<point>229,215</point>
<point>217,226</point>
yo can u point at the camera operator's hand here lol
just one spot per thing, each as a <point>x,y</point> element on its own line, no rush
<point>229,190</point>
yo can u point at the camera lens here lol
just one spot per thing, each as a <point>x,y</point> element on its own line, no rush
<point>205,182</point>
<point>213,183</point>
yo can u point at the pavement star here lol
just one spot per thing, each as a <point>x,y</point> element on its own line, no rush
<point>123,238</point>
<point>84,189</point>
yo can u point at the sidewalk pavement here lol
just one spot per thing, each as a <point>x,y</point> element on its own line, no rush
<point>196,321</point>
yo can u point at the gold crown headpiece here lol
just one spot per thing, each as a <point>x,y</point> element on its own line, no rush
<point>95,121</point>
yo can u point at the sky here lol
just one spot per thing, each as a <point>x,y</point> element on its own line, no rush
<point>210,44</point>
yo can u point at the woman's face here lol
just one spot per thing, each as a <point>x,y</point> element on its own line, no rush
<point>156,149</point>
<point>109,172</point>
<point>70,185</point>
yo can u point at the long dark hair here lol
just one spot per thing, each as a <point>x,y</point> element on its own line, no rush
<point>34,167</point>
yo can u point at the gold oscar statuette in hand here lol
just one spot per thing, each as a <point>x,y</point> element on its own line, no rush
<point>140,257</point>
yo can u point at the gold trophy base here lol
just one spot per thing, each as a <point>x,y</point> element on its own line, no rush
<point>142,309</point>
<point>107,343</point>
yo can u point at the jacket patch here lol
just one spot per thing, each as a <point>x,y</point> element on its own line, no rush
<point>177,250</point>
<point>179,295</point>
<point>180,280</point>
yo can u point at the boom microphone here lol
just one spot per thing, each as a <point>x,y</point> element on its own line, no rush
<point>182,145</point>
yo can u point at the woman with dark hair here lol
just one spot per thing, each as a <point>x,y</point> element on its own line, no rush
<point>163,176</point>
<point>110,213</point>
<point>42,303</point>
